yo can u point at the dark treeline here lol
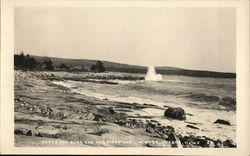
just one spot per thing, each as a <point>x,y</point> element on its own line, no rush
<point>27,62</point>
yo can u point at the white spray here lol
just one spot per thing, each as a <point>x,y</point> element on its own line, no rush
<point>152,76</point>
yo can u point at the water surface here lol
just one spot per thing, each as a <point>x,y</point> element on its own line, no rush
<point>204,99</point>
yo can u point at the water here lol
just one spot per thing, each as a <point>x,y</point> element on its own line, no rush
<point>206,99</point>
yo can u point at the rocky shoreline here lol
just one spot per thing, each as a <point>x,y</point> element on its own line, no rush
<point>45,111</point>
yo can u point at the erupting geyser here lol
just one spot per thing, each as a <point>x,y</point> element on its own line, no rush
<point>152,76</point>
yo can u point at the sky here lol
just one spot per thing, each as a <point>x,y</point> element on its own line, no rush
<point>191,38</point>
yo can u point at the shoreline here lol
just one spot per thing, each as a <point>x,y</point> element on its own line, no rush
<point>59,114</point>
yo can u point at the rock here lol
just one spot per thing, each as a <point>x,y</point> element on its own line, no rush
<point>154,121</point>
<point>171,137</point>
<point>21,131</point>
<point>32,133</point>
<point>224,122</point>
<point>175,141</point>
<point>111,110</point>
<point>218,143</point>
<point>190,126</point>
<point>46,110</point>
<point>169,128</point>
<point>229,143</point>
<point>175,113</point>
<point>121,123</point>
<point>90,116</point>
<point>57,114</point>
<point>158,124</point>
<point>197,141</point>
<point>100,132</point>
<point>159,130</point>
<point>150,128</point>
<point>203,142</point>
<point>98,118</point>
<point>186,140</point>
<point>130,123</point>
<point>135,124</point>
<point>18,99</point>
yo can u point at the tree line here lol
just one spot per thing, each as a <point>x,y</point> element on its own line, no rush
<point>27,62</point>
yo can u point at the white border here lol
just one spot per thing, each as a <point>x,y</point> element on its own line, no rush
<point>7,77</point>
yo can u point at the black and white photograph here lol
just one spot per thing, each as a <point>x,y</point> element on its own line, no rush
<point>127,76</point>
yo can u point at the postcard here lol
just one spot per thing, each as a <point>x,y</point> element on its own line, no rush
<point>125,77</point>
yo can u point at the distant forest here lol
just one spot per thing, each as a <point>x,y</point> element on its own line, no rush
<point>31,62</point>
<point>27,62</point>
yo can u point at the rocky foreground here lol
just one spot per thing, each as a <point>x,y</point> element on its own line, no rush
<point>47,114</point>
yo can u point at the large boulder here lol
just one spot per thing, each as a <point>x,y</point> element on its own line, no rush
<point>175,113</point>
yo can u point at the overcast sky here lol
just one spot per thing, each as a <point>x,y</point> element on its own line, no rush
<point>192,38</point>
